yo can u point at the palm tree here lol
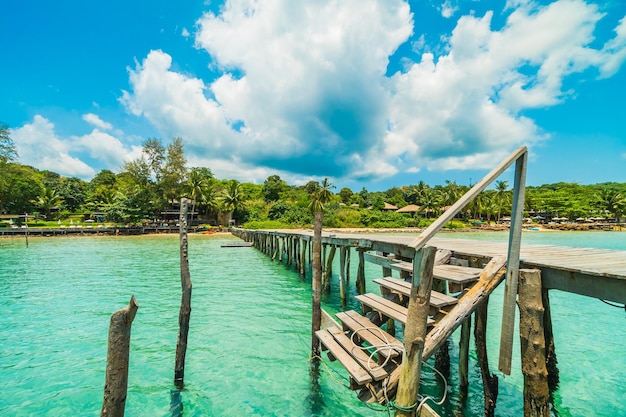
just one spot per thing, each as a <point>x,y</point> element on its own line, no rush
<point>613,202</point>
<point>196,186</point>
<point>430,201</point>
<point>319,197</point>
<point>502,196</point>
<point>232,198</point>
<point>48,200</point>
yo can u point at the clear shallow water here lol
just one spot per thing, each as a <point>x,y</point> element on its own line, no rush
<point>249,335</point>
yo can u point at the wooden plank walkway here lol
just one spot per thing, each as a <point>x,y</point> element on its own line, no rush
<point>599,273</point>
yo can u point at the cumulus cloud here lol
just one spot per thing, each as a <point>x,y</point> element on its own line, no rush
<point>39,145</point>
<point>304,87</point>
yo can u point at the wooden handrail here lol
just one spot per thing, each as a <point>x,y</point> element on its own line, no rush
<point>480,186</point>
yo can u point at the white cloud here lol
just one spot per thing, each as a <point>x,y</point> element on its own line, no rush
<point>38,145</point>
<point>304,86</point>
<point>447,9</point>
<point>95,120</point>
<point>185,33</point>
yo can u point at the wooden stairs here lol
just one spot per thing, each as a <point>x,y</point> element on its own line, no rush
<point>364,346</point>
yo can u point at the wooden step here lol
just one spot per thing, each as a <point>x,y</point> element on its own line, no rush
<point>373,302</point>
<point>403,288</point>
<point>369,332</point>
<point>358,375</point>
<point>369,364</point>
<point>458,277</point>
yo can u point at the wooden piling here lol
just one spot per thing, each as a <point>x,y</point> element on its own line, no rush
<point>303,258</point>
<point>328,271</point>
<point>360,273</point>
<point>551,361</point>
<point>464,355</point>
<point>490,381</point>
<point>532,343</point>
<point>343,283</point>
<point>116,382</point>
<point>185,303</point>
<point>316,283</point>
<point>415,331</point>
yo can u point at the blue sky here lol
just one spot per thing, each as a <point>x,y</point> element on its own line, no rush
<point>369,93</point>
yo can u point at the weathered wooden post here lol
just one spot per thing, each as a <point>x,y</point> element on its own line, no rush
<point>116,383</point>
<point>360,273</point>
<point>532,343</point>
<point>490,381</point>
<point>303,258</point>
<point>551,361</point>
<point>185,304</point>
<point>415,331</point>
<point>316,284</point>
<point>328,271</point>
<point>343,283</point>
<point>464,355</point>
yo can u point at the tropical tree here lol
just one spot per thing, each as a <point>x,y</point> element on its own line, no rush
<point>613,201</point>
<point>319,198</point>
<point>48,200</point>
<point>198,185</point>
<point>502,196</point>
<point>272,187</point>
<point>172,181</point>
<point>232,198</point>
<point>8,152</point>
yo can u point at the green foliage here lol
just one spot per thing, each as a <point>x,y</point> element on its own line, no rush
<point>273,187</point>
<point>268,224</point>
<point>8,153</point>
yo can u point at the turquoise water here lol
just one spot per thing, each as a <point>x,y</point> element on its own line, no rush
<point>249,335</point>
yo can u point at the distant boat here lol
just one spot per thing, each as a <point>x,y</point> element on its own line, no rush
<point>237,244</point>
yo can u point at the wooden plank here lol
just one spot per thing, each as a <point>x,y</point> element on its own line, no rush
<point>367,363</point>
<point>357,373</point>
<point>403,288</point>
<point>386,307</point>
<point>369,332</point>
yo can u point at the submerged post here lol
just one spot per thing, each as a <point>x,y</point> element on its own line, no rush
<point>360,272</point>
<point>415,331</point>
<point>116,382</point>
<point>185,303</point>
<point>316,284</point>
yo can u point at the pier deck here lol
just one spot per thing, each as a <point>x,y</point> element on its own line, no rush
<point>598,273</point>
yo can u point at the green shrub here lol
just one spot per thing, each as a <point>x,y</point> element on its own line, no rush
<point>268,224</point>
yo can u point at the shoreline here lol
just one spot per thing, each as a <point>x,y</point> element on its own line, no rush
<point>139,231</point>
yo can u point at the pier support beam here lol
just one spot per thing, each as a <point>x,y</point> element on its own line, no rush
<point>464,355</point>
<point>303,258</point>
<point>328,271</point>
<point>490,381</point>
<point>415,331</point>
<point>343,282</point>
<point>532,343</point>
<point>360,274</point>
<point>551,361</point>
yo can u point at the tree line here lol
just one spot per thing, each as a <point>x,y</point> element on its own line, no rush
<point>153,183</point>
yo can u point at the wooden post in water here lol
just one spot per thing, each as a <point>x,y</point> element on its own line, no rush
<point>464,355</point>
<point>415,331</point>
<point>532,343</point>
<point>316,283</point>
<point>490,381</point>
<point>116,383</point>
<point>328,271</point>
<point>303,258</point>
<point>343,284</point>
<point>360,272</point>
<point>551,361</point>
<point>185,303</point>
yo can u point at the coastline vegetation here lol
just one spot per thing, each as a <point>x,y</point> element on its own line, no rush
<point>147,189</point>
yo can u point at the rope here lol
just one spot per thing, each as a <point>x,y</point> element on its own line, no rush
<point>613,304</point>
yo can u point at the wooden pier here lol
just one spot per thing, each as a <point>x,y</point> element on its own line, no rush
<point>466,272</point>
